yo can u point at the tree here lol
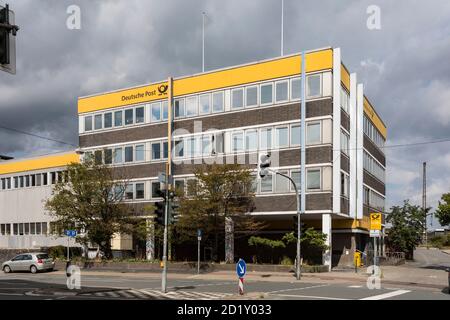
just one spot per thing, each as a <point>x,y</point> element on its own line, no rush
<point>443,210</point>
<point>408,225</point>
<point>218,192</point>
<point>89,199</point>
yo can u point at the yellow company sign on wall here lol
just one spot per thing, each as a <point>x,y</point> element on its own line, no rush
<point>375,221</point>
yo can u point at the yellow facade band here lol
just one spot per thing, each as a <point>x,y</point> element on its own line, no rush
<point>373,116</point>
<point>267,70</point>
<point>41,163</point>
<point>345,77</point>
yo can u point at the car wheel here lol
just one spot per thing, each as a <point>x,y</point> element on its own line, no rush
<point>33,269</point>
<point>6,269</point>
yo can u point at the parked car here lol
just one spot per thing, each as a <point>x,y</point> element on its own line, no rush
<point>32,262</point>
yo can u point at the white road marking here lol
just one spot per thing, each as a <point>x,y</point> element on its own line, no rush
<point>308,297</point>
<point>386,295</point>
<point>294,289</point>
<point>355,286</point>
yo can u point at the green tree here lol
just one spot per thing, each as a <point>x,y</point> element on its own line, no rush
<point>218,192</point>
<point>89,199</point>
<point>443,210</point>
<point>408,224</point>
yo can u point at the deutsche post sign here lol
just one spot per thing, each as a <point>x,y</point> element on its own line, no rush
<point>375,221</point>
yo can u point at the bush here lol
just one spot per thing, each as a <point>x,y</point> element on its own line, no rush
<point>438,241</point>
<point>286,261</point>
<point>60,252</point>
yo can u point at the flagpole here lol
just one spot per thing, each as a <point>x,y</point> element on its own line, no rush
<point>203,42</point>
<point>282,27</point>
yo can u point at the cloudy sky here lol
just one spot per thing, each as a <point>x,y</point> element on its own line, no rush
<point>404,66</point>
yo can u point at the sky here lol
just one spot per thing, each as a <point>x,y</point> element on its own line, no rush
<point>404,65</point>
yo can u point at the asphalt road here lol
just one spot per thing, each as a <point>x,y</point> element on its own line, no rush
<point>430,259</point>
<point>135,286</point>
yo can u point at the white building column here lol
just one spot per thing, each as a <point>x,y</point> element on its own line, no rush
<point>337,130</point>
<point>150,241</point>
<point>326,229</point>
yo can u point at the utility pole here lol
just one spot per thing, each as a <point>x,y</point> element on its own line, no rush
<point>424,201</point>
<point>203,41</point>
<point>282,27</point>
<point>302,159</point>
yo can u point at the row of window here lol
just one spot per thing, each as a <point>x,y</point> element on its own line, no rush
<point>372,133</point>
<point>276,137</point>
<point>202,104</point>
<point>373,199</point>
<point>20,229</point>
<point>373,167</point>
<point>32,180</point>
<point>271,183</point>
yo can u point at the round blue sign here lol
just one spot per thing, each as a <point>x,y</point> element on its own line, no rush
<point>241,268</point>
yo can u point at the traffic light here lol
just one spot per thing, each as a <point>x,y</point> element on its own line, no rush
<point>173,207</point>
<point>263,163</point>
<point>159,211</point>
<point>8,32</point>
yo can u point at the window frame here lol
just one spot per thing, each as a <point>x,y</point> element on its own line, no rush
<point>265,84</point>
<point>232,107</point>
<point>308,170</point>
<point>285,81</point>
<point>246,96</point>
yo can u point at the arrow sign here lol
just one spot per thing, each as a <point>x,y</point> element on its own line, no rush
<point>241,268</point>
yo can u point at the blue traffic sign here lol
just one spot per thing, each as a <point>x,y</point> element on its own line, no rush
<point>241,268</point>
<point>71,233</point>
<point>199,233</point>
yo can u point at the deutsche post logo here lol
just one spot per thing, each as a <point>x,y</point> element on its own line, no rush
<point>162,89</point>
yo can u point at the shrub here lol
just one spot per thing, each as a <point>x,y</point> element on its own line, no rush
<point>60,252</point>
<point>438,241</point>
<point>286,261</point>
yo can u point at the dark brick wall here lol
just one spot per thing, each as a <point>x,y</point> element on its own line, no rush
<point>374,183</point>
<point>374,150</point>
<point>319,201</point>
<point>218,121</point>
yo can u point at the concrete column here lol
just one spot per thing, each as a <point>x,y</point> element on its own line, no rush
<point>326,229</point>
<point>229,240</point>
<point>150,242</point>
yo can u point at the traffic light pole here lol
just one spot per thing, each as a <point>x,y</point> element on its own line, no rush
<point>166,222</point>
<point>298,266</point>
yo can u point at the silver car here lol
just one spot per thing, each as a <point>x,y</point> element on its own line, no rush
<point>32,262</point>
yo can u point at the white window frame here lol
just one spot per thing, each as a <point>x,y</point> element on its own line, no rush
<point>320,86</point>
<point>257,96</point>
<point>290,134</point>
<point>243,98</point>
<point>184,108</point>
<point>241,132</point>
<point>125,118</point>
<point>255,131</point>
<point>260,93</point>
<point>191,98</point>
<point>151,112</point>
<point>320,132</point>
<point>320,179</point>
<point>287,88</point>
<point>285,126</point>
<point>291,91</point>
<point>209,103</point>
<point>212,101</point>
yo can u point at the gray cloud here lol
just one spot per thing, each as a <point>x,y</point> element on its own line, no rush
<point>404,66</point>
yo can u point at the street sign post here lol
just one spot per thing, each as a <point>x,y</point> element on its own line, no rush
<point>375,232</point>
<point>241,269</point>
<point>199,238</point>
<point>69,234</point>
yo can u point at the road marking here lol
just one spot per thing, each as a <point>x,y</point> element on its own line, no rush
<point>386,295</point>
<point>355,286</point>
<point>294,289</point>
<point>310,297</point>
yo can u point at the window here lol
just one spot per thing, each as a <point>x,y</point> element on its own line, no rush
<point>219,143</point>
<point>129,116</point>
<point>118,118</point>
<point>179,108</point>
<point>156,151</point>
<point>88,123</point>
<point>345,100</point>
<point>281,137</point>
<point>189,147</point>
<point>165,150</point>
<point>118,155</point>
<point>205,104</point>
<point>129,154</point>
<point>108,120</point>
<point>98,156</point>
<point>165,110</point>
<point>266,139</point>
<point>344,142</point>
<point>295,135</point>
<point>295,175</point>
<point>251,96</point>
<point>296,88</point>
<point>16,229</point>
<point>266,93</point>
<point>38,228</point>
<point>21,229</point>
<point>237,98</point>
<point>16,182</point>
<point>281,183</point>
<point>38,180</point>
<point>140,192</point>
<point>44,228</point>
<point>313,133</point>
<point>140,155</point>
<point>32,228</point>
<point>179,186</point>
<point>281,91</point>
<point>140,115</point>
<point>191,106</point>
<point>108,156</point>
<point>313,86</point>
<point>345,184</point>
<point>22,182</point>
<point>44,179</point>
<point>156,188</point>
<point>27,228</point>
<point>129,192</point>
<point>33,181</point>
<point>237,141</point>
<point>266,183</point>
<point>156,112</point>
<point>179,149</point>
<point>206,145</point>
<point>217,103</point>
<point>98,122</point>
<point>313,179</point>
<point>251,140</point>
